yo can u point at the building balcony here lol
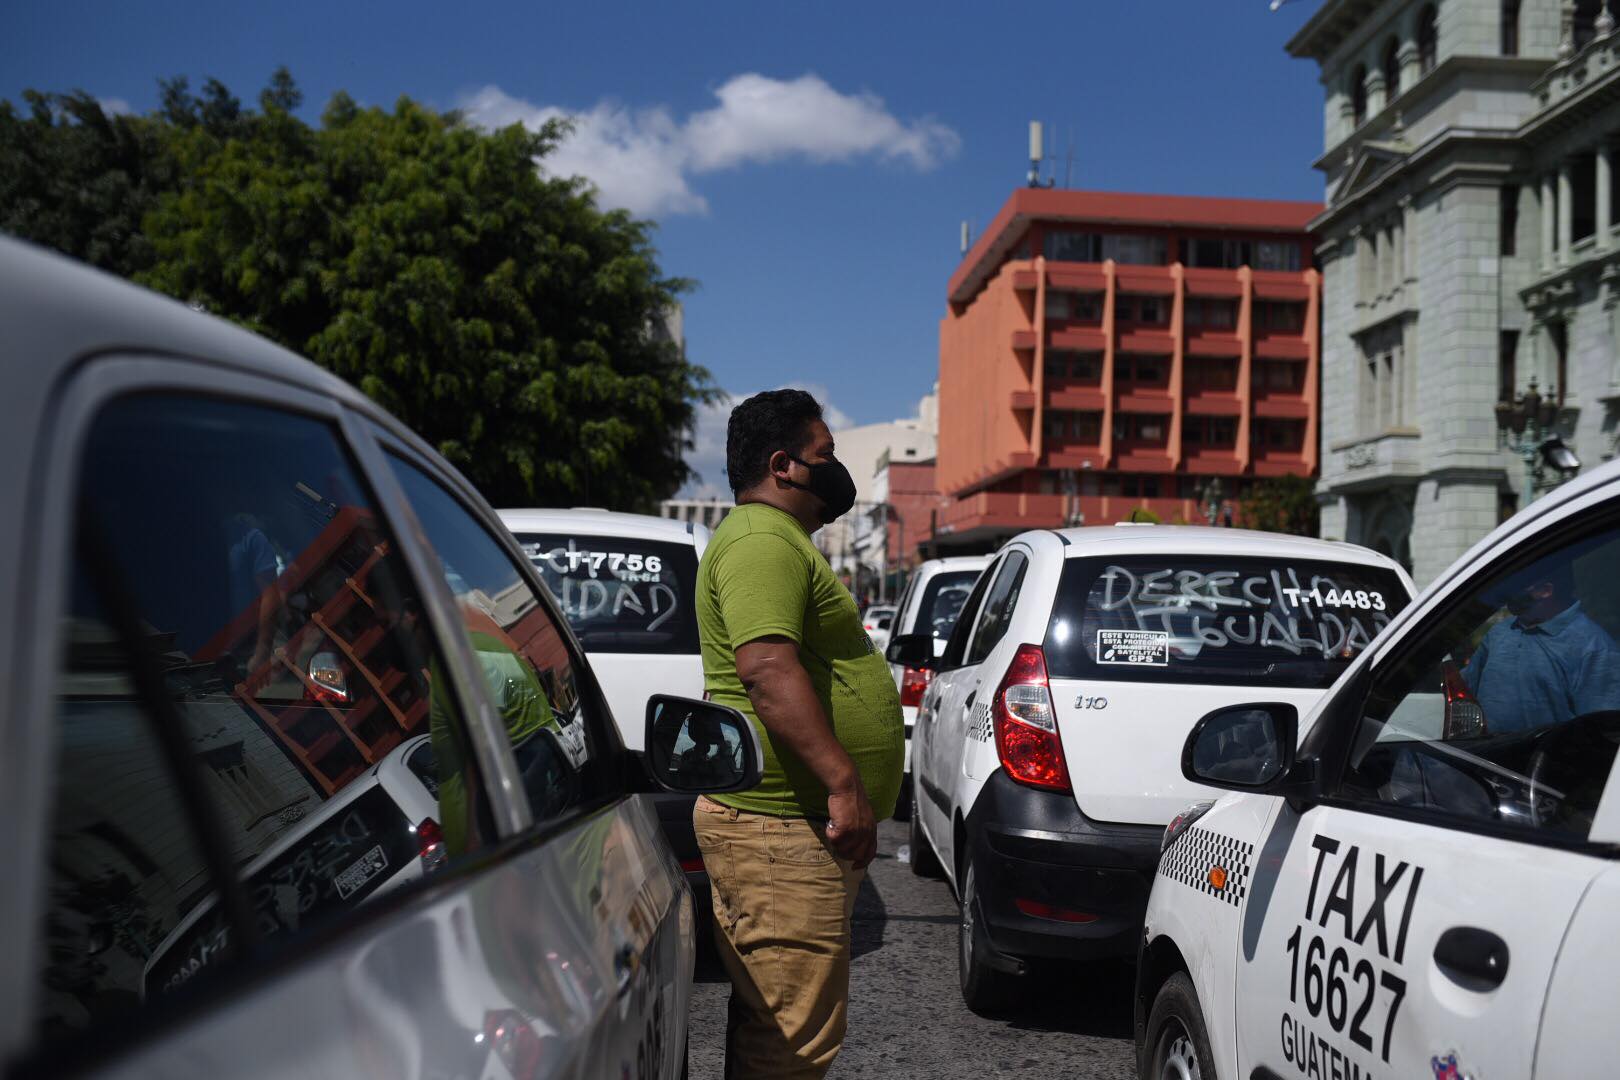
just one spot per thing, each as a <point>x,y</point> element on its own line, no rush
<point>1221,284</point>
<point>1080,338</point>
<point>1143,457</point>
<point>1145,280</point>
<point>1074,455</point>
<point>1205,402</point>
<point>1076,396</point>
<point>1282,345</point>
<point>1150,340</point>
<point>1281,285</point>
<point>1001,510</point>
<point>1076,277</point>
<point>1274,461</point>
<point>1220,344</point>
<point>1212,461</point>
<point>1024,340</point>
<point>1282,405</point>
<point>1022,399</point>
<point>1146,399</point>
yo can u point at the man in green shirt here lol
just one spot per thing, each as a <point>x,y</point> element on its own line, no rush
<point>782,641</point>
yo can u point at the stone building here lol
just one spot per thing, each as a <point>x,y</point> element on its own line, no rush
<point>1467,248</point>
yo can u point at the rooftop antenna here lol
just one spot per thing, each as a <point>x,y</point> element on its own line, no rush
<point>1036,155</point>
<point>967,237</point>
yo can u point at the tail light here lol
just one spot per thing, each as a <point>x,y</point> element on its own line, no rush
<point>326,679</point>
<point>913,683</point>
<point>1465,717</point>
<point>1026,724</point>
<point>430,846</point>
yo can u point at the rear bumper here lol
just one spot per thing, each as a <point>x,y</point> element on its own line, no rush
<point>1036,846</point>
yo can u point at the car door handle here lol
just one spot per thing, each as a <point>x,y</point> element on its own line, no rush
<point>1472,958</point>
<point>626,962</point>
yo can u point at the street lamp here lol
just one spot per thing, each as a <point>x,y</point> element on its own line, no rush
<point>1526,427</point>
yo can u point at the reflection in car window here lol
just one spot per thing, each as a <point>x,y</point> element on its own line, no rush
<point>997,614</point>
<point>942,601</point>
<point>1217,620</point>
<point>618,593</point>
<point>1508,711</point>
<point>522,652</point>
<point>292,651</point>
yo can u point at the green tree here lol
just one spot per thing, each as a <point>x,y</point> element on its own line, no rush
<point>496,310</point>
<point>1285,504</point>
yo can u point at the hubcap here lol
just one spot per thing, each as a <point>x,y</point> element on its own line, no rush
<point>1177,1059</point>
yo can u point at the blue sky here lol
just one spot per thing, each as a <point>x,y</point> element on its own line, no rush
<point>822,244</point>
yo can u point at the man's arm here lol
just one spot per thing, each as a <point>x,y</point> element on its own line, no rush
<point>786,703</point>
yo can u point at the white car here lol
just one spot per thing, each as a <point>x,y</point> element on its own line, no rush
<point>1424,884</point>
<point>930,604</point>
<point>1046,747</point>
<point>238,602</point>
<point>625,584</point>
<point>879,624</point>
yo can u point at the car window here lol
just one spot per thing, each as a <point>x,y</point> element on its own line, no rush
<point>520,649</point>
<point>999,605</point>
<point>291,652</point>
<point>956,646</point>
<point>942,600</point>
<point>1217,620</point>
<point>620,594</point>
<point>1505,712</point>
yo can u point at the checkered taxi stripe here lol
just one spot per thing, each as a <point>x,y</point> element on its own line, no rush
<point>1200,858</point>
<point>981,729</point>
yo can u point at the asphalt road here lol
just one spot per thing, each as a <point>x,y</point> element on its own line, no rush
<point>906,1013</point>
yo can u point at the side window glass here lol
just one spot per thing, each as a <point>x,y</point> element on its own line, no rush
<point>289,645</point>
<point>956,645</point>
<point>520,649</point>
<point>1507,712</point>
<point>998,608</point>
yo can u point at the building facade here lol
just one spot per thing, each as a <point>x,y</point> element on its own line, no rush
<point>1467,250</point>
<point>1105,352</point>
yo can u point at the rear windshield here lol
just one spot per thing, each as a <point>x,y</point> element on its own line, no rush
<point>942,601</point>
<point>620,595</point>
<point>1214,620</point>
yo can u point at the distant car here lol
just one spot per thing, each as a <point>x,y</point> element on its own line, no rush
<point>1046,747</point>
<point>308,775</point>
<point>1416,874</point>
<point>878,621</point>
<point>624,582</point>
<point>930,604</point>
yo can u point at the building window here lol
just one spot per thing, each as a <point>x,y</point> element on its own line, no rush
<point>1283,315</point>
<point>1215,314</point>
<point>1276,255</point>
<point>1141,369</point>
<point>1287,436</point>
<point>1147,310</point>
<point>1073,247</point>
<point>1136,250</point>
<point>1358,94</point>
<point>1508,220</point>
<point>1282,375</point>
<point>1086,427</point>
<point>1428,39</point>
<point>1392,69</point>
<point>1209,374</point>
<point>1087,368</point>
<point>1510,27</point>
<point>1139,487</point>
<point>1559,334</point>
<point>1054,425</point>
<point>1507,365</point>
<point>1216,432</point>
<point>1055,367</point>
<point>1148,428</point>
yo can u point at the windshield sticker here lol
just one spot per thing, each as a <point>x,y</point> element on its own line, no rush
<point>1147,647</point>
<point>573,561</point>
<point>362,870</point>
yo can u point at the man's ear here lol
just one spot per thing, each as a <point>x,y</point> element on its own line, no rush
<point>779,464</point>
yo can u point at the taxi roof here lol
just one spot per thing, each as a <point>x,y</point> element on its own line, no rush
<point>1199,539</point>
<point>589,521</point>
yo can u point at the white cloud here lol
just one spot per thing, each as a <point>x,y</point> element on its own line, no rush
<point>115,106</point>
<point>708,453</point>
<point>643,159</point>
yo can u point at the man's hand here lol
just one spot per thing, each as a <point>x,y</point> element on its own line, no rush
<point>851,828</point>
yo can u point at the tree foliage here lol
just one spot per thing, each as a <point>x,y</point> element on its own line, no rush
<point>496,310</point>
<point>1285,504</point>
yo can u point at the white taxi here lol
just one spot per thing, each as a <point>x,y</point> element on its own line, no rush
<point>1425,883</point>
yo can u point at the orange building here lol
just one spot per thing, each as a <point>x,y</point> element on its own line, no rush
<point>1104,352</point>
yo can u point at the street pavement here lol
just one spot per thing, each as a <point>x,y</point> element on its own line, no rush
<point>906,1013</point>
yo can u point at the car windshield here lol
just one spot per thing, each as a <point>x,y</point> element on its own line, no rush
<point>1294,623</point>
<point>620,594</point>
<point>942,601</point>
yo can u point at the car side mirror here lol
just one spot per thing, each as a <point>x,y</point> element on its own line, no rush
<point>698,747</point>
<point>1242,747</point>
<point>911,650</point>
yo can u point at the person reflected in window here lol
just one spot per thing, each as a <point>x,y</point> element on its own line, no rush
<point>254,568</point>
<point>1549,663</point>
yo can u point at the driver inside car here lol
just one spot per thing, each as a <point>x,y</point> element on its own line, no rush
<point>1549,662</point>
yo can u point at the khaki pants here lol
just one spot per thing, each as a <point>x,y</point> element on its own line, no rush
<point>782,905</point>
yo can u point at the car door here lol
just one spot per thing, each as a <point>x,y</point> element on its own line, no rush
<point>245,635</point>
<point>630,899</point>
<point>1410,919</point>
<point>932,751</point>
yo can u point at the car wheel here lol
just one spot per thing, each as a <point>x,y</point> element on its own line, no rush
<point>923,862</point>
<point>1177,1044</point>
<point>985,989</point>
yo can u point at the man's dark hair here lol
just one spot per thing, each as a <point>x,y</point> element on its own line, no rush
<point>762,425</point>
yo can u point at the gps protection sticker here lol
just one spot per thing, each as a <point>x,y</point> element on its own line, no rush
<point>1211,863</point>
<point>1143,647</point>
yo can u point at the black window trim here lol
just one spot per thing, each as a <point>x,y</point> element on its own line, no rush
<point>1024,554</point>
<point>1333,737</point>
<point>956,644</point>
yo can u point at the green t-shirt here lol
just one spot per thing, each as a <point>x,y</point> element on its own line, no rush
<point>761,576</point>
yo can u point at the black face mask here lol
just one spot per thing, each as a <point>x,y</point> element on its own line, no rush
<point>831,483</point>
